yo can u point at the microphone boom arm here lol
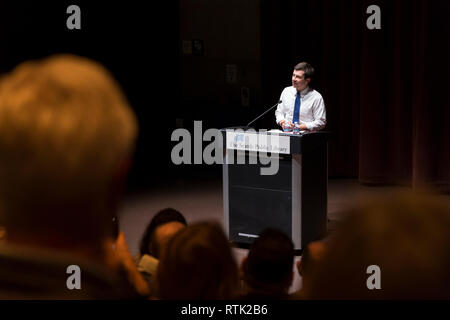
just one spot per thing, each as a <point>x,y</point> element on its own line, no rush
<point>264,113</point>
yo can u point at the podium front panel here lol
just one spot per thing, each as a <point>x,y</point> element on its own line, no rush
<point>294,200</point>
<point>253,210</point>
<point>253,202</point>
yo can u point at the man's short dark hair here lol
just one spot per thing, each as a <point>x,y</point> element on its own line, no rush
<point>162,217</point>
<point>307,68</point>
<point>270,259</point>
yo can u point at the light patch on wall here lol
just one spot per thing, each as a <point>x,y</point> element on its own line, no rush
<point>231,73</point>
<point>245,96</point>
<point>187,47</point>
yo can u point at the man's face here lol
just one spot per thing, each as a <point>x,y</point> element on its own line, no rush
<point>298,80</point>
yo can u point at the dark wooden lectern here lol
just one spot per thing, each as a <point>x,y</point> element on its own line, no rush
<point>293,200</point>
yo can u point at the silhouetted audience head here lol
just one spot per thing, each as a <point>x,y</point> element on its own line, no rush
<point>159,231</point>
<point>66,138</point>
<point>268,268</point>
<point>405,235</point>
<point>311,255</point>
<point>198,264</point>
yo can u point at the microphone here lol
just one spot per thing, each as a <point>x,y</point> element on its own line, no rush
<point>264,113</point>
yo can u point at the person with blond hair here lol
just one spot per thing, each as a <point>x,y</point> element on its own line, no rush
<point>67,135</point>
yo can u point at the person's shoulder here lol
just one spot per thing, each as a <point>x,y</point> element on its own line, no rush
<point>289,89</point>
<point>46,276</point>
<point>315,94</point>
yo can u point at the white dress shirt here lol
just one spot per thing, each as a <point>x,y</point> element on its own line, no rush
<point>312,108</point>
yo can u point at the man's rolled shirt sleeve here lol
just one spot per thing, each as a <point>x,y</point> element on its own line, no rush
<point>320,116</point>
<point>281,109</point>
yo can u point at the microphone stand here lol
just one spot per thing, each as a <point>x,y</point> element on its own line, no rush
<point>264,113</point>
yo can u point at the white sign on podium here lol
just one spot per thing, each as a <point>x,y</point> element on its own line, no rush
<point>257,142</point>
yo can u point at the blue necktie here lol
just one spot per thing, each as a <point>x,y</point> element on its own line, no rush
<point>296,117</point>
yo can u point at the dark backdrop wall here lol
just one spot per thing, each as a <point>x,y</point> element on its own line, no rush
<point>386,91</point>
<point>224,62</point>
<point>137,41</point>
<point>230,33</point>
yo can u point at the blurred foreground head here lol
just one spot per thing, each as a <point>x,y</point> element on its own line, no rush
<point>406,235</point>
<point>66,136</point>
<point>198,264</point>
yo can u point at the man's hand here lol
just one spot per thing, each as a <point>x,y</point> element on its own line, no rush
<point>303,127</point>
<point>284,123</point>
<point>122,250</point>
<point>124,258</point>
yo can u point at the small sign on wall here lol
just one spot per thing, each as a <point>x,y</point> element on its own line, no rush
<point>193,47</point>
<point>197,47</point>
<point>231,73</point>
<point>187,47</point>
<point>245,96</point>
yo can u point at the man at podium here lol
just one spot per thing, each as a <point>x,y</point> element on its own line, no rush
<point>300,104</point>
<point>294,198</point>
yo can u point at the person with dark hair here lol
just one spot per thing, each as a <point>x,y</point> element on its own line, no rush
<point>396,247</point>
<point>162,217</point>
<point>268,268</point>
<point>67,135</point>
<point>300,103</point>
<point>163,226</point>
<point>198,264</point>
